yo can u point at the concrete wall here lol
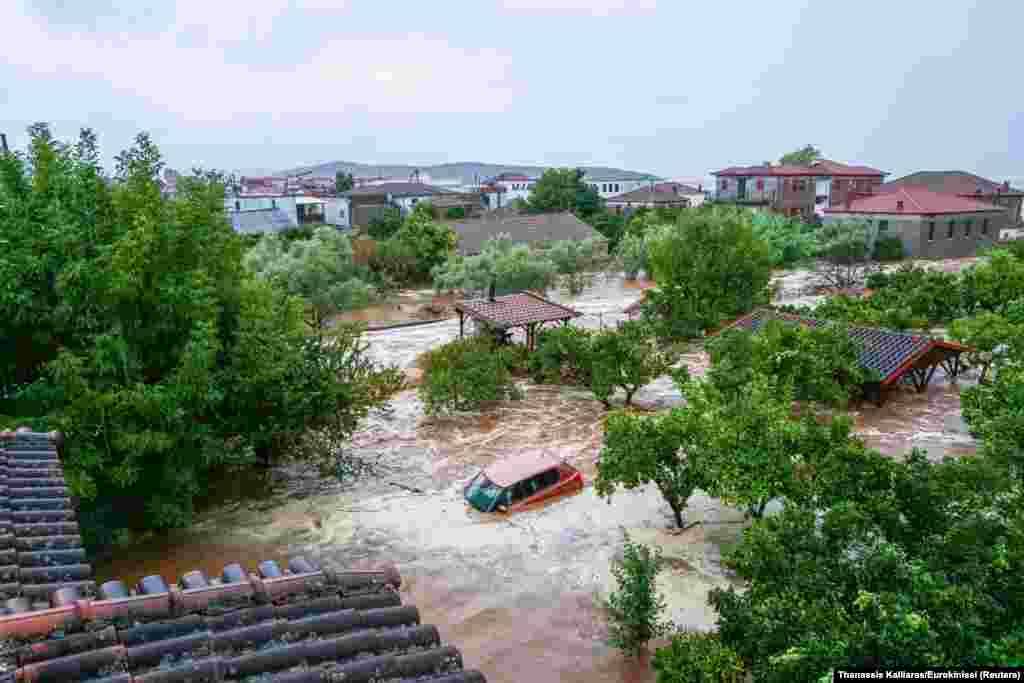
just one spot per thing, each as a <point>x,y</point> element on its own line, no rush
<point>919,241</point>
<point>336,211</point>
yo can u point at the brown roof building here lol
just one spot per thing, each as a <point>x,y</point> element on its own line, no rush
<point>967,185</point>
<point>929,224</point>
<point>796,190</point>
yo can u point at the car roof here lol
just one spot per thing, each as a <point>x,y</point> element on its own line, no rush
<point>511,470</point>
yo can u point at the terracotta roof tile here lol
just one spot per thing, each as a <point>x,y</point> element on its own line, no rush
<point>820,168</point>
<point>515,310</point>
<point>302,624</point>
<point>951,182</point>
<point>915,201</point>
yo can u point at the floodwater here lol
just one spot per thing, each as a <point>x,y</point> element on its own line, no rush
<point>519,595</point>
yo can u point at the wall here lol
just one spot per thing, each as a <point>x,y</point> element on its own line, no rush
<point>767,193</point>
<point>913,232</point>
<point>336,211</point>
<point>610,188</point>
<point>841,188</point>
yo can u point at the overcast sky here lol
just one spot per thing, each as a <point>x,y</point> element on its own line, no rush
<point>671,87</point>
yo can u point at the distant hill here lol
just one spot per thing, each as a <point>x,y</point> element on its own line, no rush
<point>465,171</point>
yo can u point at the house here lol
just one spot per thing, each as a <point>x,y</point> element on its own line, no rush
<point>271,200</point>
<point>930,225</point>
<point>659,196</point>
<point>963,184</point>
<point>470,203</point>
<point>514,186</point>
<point>532,229</point>
<point>368,201</point>
<point>609,185</point>
<point>793,190</point>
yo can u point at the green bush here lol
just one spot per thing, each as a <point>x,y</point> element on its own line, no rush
<point>562,355</point>
<point>384,225</point>
<point>464,374</point>
<point>694,657</point>
<point>710,267</point>
<point>455,213</point>
<point>510,267</point>
<point>627,357</point>
<point>395,261</point>
<point>634,608</point>
<point>789,240</point>
<point>888,248</point>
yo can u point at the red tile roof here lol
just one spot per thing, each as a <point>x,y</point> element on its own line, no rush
<point>915,201</point>
<point>302,624</point>
<point>823,167</point>
<point>515,310</point>
<point>952,182</point>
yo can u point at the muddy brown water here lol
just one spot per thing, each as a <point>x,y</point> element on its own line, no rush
<point>519,595</point>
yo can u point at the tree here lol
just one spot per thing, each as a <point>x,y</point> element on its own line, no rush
<point>510,267</point>
<point>431,241</point>
<point>918,573</point>
<point>635,608</point>
<point>790,241</point>
<point>992,340</point>
<point>642,449</point>
<point>129,321</point>
<point>995,414</point>
<point>573,261</point>
<point>320,270</point>
<point>628,358</point>
<point>343,182</point>
<point>384,225</point>
<point>464,374</point>
<point>563,189</point>
<point>709,267</point>
<point>697,657</point>
<point>820,363</point>
<point>846,251</point>
<point>801,157</point>
<point>612,227</point>
<point>632,252</point>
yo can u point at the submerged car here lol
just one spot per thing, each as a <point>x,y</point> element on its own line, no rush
<point>513,484</point>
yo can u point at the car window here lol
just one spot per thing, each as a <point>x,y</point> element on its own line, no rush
<point>549,478</point>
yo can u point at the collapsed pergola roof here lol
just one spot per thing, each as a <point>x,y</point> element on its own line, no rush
<point>522,309</point>
<point>895,356</point>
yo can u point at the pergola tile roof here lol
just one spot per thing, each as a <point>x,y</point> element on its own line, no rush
<point>301,624</point>
<point>887,352</point>
<point>515,310</point>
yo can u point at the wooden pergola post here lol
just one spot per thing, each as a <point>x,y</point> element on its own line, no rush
<point>462,320</point>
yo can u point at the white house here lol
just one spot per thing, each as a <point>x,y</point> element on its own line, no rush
<point>611,185</point>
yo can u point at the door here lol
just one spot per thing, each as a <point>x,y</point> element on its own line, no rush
<point>741,188</point>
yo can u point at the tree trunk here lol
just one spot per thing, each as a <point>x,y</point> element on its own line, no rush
<point>629,395</point>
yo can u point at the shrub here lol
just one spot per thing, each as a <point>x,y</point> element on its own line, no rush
<point>628,358</point>
<point>572,260</point>
<point>633,253</point>
<point>889,248</point>
<point>384,225</point>
<point>395,261</point>
<point>634,608</point>
<point>790,241</point>
<point>432,242</point>
<point>455,213</point>
<point>463,374</point>
<point>710,267</point>
<point>694,657</point>
<point>562,355</point>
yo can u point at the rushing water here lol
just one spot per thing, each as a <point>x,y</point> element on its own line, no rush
<point>518,595</point>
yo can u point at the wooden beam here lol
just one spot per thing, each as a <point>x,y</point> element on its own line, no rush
<point>462,320</point>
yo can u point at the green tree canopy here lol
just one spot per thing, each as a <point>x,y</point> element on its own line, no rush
<point>129,322</point>
<point>343,182</point>
<point>563,189</point>
<point>801,157</point>
<point>709,267</point>
<point>511,267</point>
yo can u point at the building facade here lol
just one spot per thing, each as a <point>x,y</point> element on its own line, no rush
<point>967,185</point>
<point>930,225</point>
<point>799,191</point>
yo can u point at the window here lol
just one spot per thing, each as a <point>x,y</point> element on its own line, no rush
<point>984,226</point>
<point>952,229</point>
<point>967,228</point>
<point>238,205</point>
<point>931,231</point>
<point>616,187</point>
<point>760,184</point>
<point>273,203</point>
<point>725,184</point>
<point>883,226</point>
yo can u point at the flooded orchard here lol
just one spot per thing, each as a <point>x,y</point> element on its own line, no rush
<point>517,594</point>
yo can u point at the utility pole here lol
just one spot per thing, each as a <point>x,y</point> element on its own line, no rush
<point>3,143</point>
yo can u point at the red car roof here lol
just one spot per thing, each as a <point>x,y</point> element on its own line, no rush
<point>517,468</point>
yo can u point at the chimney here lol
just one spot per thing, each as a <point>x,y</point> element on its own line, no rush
<point>899,204</point>
<point>490,292</point>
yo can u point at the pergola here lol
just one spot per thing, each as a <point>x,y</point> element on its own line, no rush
<point>897,357</point>
<point>522,309</point>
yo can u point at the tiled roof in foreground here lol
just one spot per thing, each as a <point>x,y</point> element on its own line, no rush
<point>300,624</point>
<point>890,354</point>
<point>40,547</point>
